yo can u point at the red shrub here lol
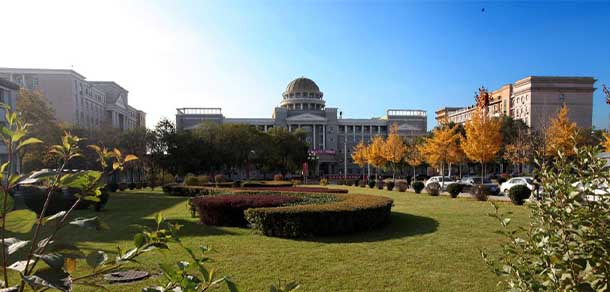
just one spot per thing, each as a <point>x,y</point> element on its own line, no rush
<point>297,189</point>
<point>228,210</point>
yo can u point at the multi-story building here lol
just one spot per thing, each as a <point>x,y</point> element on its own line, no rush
<point>8,93</point>
<point>534,100</point>
<point>77,101</point>
<point>330,136</point>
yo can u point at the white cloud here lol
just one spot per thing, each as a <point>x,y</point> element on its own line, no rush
<point>161,60</point>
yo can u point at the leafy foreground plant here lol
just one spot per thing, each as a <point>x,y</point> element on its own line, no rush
<point>566,246</point>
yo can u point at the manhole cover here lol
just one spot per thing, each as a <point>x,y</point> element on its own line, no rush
<point>126,276</point>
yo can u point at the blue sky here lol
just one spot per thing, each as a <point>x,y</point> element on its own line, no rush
<point>365,56</point>
<point>369,56</point>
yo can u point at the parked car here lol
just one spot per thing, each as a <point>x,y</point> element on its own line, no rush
<point>522,180</point>
<point>469,181</point>
<point>421,177</point>
<point>443,181</point>
<point>603,190</point>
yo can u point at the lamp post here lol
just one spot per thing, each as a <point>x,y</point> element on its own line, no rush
<point>311,156</point>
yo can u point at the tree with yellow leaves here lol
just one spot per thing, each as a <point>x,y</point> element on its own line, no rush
<point>483,138</point>
<point>359,155</point>
<point>374,153</point>
<point>561,135</point>
<point>394,150</point>
<point>441,147</point>
<point>413,157</point>
<point>521,150</point>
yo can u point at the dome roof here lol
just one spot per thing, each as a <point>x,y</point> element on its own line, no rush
<point>302,85</point>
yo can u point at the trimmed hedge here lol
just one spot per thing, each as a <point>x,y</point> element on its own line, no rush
<point>390,185</point>
<point>480,192</point>
<point>433,189</point>
<point>228,210</point>
<point>351,214</point>
<point>454,190</point>
<point>252,184</point>
<point>519,193</point>
<point>417,186</point>
<point>402,186</point>
<point>298,189</point>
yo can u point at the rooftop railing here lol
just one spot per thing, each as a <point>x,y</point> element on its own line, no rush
<point>406,113</point>
<point>199,111</point>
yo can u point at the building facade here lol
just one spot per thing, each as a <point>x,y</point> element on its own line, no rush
<point>77,101</point>
<point>535,100</point>
<point>331,137</point>
<point>8,94</point>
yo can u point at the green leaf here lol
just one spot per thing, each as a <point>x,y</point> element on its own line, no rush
<point>14,179</point>
<point>10,203</point>
<point>130,157</point>
<point>90,223</point>
<point>154,245</point>
<point>81,180</point>
<point>14,244</point>
<point>20,221</point>
<point>139,240</point>
<point>96,258</point>
<point>4,166</point>
<point>91,198</point>
<point>53,260</point>
<point>49,278</point>
<point>159,218</point>
<point>28,141</point>
<point>231,285</point>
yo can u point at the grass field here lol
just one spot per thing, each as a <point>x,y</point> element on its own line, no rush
<point>431,244</point>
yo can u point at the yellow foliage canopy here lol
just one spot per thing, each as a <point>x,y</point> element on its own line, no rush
<point>483,137</point>
<point>394,149</point>
<point>561,134</point>
<point>359,154</point>
<point>374,155</point>
<point>441,147</point>
<point>606,142</point>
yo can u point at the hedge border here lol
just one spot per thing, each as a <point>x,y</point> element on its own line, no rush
<point>352,213</point>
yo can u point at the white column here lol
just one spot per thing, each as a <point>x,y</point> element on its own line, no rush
<point>289,128</point>
<point>362,133</point>
<point>371,132</point>
<point>354,133</point>
<point>265,128</point>
<point>324,137</point>
<point>314,136</point>
<point>378,130</point>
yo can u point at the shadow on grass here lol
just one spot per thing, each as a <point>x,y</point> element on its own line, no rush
<point>129,213</point>
<point>401,225</point>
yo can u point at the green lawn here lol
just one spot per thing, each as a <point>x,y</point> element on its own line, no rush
<point>431,244</point>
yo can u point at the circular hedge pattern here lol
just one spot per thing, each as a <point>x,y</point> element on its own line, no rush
<point>350,213</point>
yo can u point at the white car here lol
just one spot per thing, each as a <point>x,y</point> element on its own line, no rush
<point>522,180</point>
<point>443,182</point>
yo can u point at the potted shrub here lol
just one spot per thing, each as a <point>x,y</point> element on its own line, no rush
<point>454,190</point>
<point>480,192</point>
<point>323,181</point>
<point>518,194</point>
<point>390,186</point>
<point>433,189</point>
<point>371,183</point>
<point>402,186</point>
<point>417,186</point>
<point>380,184</point>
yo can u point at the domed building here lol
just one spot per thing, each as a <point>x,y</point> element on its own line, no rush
<point>330,136</point>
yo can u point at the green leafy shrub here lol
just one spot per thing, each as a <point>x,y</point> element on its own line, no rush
<point>122,186</point>
<point>112,187</point>
<point>323,181</point>
<point>191,180</point>
<point>480,192</point>
<point>417,186</point>
<point>371,183</point>
<point>565,244</point>
<point>379,184</point>
<point>433,189</point>
<point>351,213</point>
<point>518,194</point>
<point>402,186</point>
<point>34,198</point>
<point>390,185</point>
<point>228,210</point>
<point>278,177</point>
<point>454,190</point>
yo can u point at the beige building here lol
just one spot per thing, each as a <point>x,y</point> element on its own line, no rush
<point>534,100</point>
<point>77,101</point>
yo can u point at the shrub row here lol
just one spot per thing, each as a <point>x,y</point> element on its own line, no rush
<point>297,189</point>
<point>228,210</point>
<point>350,214</point>
<point>253,183</point>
